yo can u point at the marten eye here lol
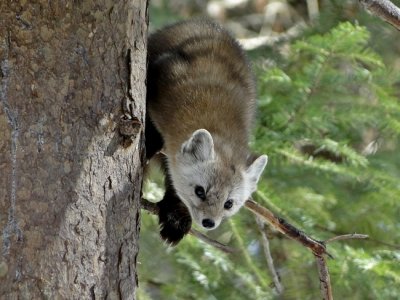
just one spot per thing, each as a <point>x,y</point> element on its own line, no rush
<point>199,191</point>
<point>228,204</point>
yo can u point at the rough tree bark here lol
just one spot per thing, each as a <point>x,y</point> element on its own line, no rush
<point>69,183</point>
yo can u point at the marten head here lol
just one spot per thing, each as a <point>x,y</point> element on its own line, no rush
<point>210,186</point>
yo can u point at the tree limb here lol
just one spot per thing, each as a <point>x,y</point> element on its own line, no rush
<point>383,9</point>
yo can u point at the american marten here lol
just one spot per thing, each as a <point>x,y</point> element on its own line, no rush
<point>201,106</point>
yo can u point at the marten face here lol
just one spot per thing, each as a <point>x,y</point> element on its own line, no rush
<point>210,187</point>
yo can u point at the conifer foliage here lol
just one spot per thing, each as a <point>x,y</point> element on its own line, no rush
<point>329,119</point>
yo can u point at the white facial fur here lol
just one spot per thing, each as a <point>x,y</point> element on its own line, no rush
<point>197,164</point>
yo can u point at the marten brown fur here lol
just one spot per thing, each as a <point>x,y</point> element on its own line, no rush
<point>201,106</point>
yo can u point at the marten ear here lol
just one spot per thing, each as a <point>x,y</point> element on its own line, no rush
<point>199,146</point>
<point>254,171</point>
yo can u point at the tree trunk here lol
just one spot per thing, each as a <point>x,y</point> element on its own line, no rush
<point>70,182</point>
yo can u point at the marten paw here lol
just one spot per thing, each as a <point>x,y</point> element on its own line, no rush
<point>175,221</point>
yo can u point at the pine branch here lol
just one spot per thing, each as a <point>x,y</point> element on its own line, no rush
<point>318,248</point>
<point>383,9</point>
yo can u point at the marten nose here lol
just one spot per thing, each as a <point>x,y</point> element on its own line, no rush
<point>208,223</point>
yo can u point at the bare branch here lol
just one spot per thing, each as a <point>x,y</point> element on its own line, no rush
<point>380,242</point>
<point>346,237</point>
<point>268,256</point>
<point>317,247</point>
<point>212,242</point>
<point>383,9</point>
<point>153,209</point>
<point>324,278</point>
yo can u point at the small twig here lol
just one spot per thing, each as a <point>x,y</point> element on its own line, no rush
<point>212,242</point>
<point>324,278</point>
<point>383,9</point>
<point>346,237</point>
<point>268,256</point>
<point>153,209</point>
<point>380,242</point>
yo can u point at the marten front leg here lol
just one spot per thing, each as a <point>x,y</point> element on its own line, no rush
<point>174,217</point>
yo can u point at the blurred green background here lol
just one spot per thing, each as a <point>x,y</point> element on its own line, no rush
<point>328,77</point>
